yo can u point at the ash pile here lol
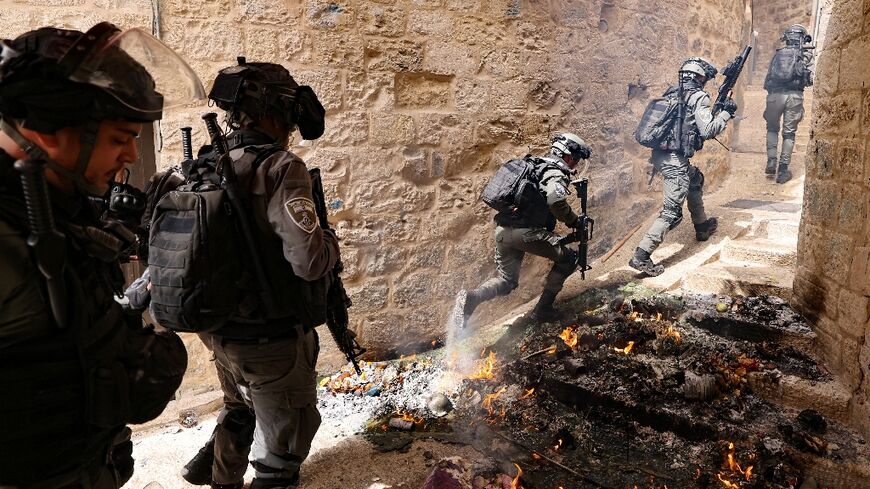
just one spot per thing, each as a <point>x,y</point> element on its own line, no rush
<point>633,389</point>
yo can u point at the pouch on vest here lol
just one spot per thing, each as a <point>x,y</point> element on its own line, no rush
<point>787,70</point>
<point>200,274</point>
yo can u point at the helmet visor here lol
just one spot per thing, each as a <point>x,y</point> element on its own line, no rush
<point>140,72</point>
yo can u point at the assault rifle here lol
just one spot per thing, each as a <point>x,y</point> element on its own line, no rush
<point>583,229</point>
<point>731,73</point>
<point>337,300</point>
<point>224,168</point>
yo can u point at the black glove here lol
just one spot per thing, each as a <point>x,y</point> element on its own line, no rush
<point>730,106</point>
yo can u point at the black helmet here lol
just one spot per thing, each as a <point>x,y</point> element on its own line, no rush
<point>54,78</point>
<point>796,34</point>
<point>251,91</point>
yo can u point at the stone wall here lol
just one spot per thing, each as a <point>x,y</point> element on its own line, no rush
<point>832,285</point>
<point>770,18</point>
<point>424,99</point>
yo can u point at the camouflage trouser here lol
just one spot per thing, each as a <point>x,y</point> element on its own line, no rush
<point>277,380</point>
<point>787,107</point>
<point>511,245</point>
<point>682,182</point>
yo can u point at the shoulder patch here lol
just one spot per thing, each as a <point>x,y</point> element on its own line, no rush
<point>302,213</point>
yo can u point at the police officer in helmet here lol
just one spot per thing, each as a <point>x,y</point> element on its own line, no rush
<point>530,230</point>
<point>789,73</point>
<point>684,182</point>
<point>266,357</point>
<point>76,368</point>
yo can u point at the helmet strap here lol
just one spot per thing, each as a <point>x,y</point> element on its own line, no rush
<point>34,151</point>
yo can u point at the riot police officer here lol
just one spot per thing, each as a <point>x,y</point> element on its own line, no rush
<point>684,182</point>
<point>788,75</point>
<point>266,355</point>
<point>74,368</point>
<point>530,230</point>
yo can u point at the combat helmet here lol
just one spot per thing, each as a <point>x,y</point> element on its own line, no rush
<point>567,143</point>
<point>251,91</point>
<point>699,66</point>
<point>55,78</point>
<point>796,35</point>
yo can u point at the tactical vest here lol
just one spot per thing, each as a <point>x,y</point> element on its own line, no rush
<point>534,211</point>
<point>68,392</point>
<point>248,311</point>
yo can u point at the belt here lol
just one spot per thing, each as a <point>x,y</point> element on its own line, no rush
<point>297,331</point>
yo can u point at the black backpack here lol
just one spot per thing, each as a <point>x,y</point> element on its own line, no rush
<point>656,129</point>
<point>787,70</point>
<point>200,276</point>
<point>514,185</point>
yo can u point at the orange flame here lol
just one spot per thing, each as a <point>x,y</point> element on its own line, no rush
<point>569,336</point>
<point>406,416</point>
<point>672,332</point>
<point>487,401</point>
<point>515,484</point>
<point>727,484</point>
<point>558,445</point>
<point>486,370</point>
<point>735,468</point>
<point>626,349</point>
<point>529,393</point>
<point>552,350</point>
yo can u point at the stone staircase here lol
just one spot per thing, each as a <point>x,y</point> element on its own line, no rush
<point>760,258</point>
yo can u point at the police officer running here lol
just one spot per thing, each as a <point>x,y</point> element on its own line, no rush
<point>266,358</point>
<point>530,230</point>
<point>789,73</point>
<point>75,369</point>
<point>682,180</point>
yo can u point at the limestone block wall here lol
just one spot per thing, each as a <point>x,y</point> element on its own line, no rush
<point>832,285</point>
<point>425,98</point>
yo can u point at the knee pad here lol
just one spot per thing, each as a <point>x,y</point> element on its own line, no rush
<point>788,135</point>
<point>239,421</point>
<point>567,262</point>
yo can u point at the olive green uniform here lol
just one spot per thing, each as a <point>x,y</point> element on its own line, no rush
<point>271,366</point>
<point>684,182</point>
<point>785,109</point>
<point>69,392</point>
<point>514,239</point>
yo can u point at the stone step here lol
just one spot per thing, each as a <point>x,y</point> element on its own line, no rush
<point>827,397</point>
<point>779,229</point>
<point>760,251</point>
<point>747,280</point>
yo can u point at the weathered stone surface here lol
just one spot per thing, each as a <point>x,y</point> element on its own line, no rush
<point>275,45</point>
<point>373,296</point>
<point>382,20</point>
<point>277,12</point>
<point>852,215</point>
<point>346,129</point>
<point>424,90</point>
<point>389,129</point>
<point>854,312</point>
<point>394,55</point>
<point>450,58</point>
<point>323,14</point>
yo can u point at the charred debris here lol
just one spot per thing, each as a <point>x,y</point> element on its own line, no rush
<point>630,389</point>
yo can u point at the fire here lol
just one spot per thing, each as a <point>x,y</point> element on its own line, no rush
<point>552,350</point>
<point>406,416</point>
<point>558,445</point>
<point>735,469</point>
<point>515,484</point>
<point>672,332</point>
<point>626,349</point>
<point>486,370</point>
<point>528,394</point>
<point>487,401</point>
<point>658,316</point>
<point>569,336</point>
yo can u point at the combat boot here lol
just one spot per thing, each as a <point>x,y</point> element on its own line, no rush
<point>770,169</point>
<point>783,175</point>
<point>544,310</point>
<point>275,483</point>
<point>706,229</point>
<point>235,485</point>
<point>642,262</point>
<point>198,470</point>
